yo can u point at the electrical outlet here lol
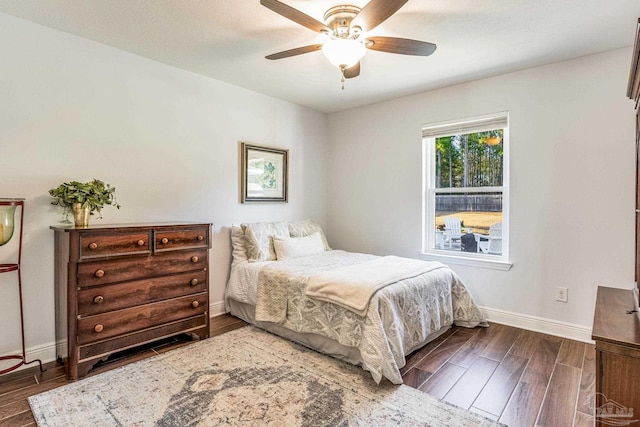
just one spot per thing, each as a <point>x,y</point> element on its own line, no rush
<point>562,294</point>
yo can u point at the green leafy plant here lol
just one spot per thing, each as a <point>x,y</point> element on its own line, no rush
<point>95,194</point>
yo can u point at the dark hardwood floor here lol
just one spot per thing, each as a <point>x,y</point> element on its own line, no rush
<point>519,377</point>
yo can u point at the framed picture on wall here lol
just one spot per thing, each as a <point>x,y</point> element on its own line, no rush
<point>264,175</point>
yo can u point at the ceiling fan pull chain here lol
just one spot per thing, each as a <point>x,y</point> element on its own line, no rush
<point>342,68</point>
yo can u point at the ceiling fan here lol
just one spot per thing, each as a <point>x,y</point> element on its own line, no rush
<point>345,27</point>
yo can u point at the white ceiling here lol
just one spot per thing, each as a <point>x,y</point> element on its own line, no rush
<point>228,40</point>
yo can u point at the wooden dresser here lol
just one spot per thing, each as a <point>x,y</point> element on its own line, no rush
<point>616,327</point>
<point>118,287</point>
<point>616,332</point>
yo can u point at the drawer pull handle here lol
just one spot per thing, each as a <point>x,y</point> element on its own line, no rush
<point>140,242</point>
<point>98,300</point>
<point>164,241</point>
<point>98,328</point>
<point>194,282</point>
<point>200,238</point>
<point>93,246</point>
<point>99,273</point>
<point>195,304</point>
<point>194,259</point>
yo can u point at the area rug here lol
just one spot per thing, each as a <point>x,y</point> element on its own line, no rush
<point>244,377</point>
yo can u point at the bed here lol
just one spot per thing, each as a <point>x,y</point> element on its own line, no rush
<point>368,310</point>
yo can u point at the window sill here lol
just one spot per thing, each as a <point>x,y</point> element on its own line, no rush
<point>469,261</point>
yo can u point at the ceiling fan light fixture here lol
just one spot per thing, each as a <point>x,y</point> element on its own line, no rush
<point>343,53</point>
<point>345,27</point>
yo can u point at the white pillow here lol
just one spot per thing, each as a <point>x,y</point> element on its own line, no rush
<point>239,250</point>
<point>307,228</point>
<point>295,247</point>
<point>257,239</point>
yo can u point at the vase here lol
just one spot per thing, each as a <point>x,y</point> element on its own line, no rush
<point>6,222</point>
<point>81,214</point>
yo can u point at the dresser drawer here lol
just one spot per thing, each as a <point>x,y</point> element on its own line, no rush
<point>100,299</point>
<point>108,325</point>
<point>133,268</point>
<point>182,239</point>
<point>106,245</point>
<point>121,342</point>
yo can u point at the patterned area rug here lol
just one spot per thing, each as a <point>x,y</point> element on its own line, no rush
<point>244,377</point>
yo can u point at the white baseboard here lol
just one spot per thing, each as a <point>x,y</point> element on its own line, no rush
<point>45,352</point>
<point>523,321</point>
<point>216,309</point>
<point>539,324</point>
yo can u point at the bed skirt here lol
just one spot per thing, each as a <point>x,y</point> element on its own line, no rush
<point>316,342</point>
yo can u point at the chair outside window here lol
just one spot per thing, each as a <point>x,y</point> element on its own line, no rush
<point>452,230</point>
<point>493,243</point>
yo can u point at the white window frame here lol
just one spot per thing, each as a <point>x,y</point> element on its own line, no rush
<point>454,127</point>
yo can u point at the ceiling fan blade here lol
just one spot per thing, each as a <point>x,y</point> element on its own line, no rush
<point>352,72</point>
<point>376,12</point>
<point>401,46</point>
<point>295,15</point>
<point>294,52</point>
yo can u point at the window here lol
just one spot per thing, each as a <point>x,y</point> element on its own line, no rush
<point>465,179</point>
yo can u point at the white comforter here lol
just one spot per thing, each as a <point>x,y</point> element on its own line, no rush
<point>399,318</point>
<point>353,286</point>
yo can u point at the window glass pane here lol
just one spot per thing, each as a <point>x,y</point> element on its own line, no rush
<point>469,160</point>
<point>469,222</point>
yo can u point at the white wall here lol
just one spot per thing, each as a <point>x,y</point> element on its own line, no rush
<point>165,138</point>
<point>572,181</point>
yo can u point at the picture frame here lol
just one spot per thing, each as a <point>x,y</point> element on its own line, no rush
<point>264,174</point>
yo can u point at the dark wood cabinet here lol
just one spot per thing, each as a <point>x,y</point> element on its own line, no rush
<point>616,324</point>
<point>616,331</point>
<point>118,287</point>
